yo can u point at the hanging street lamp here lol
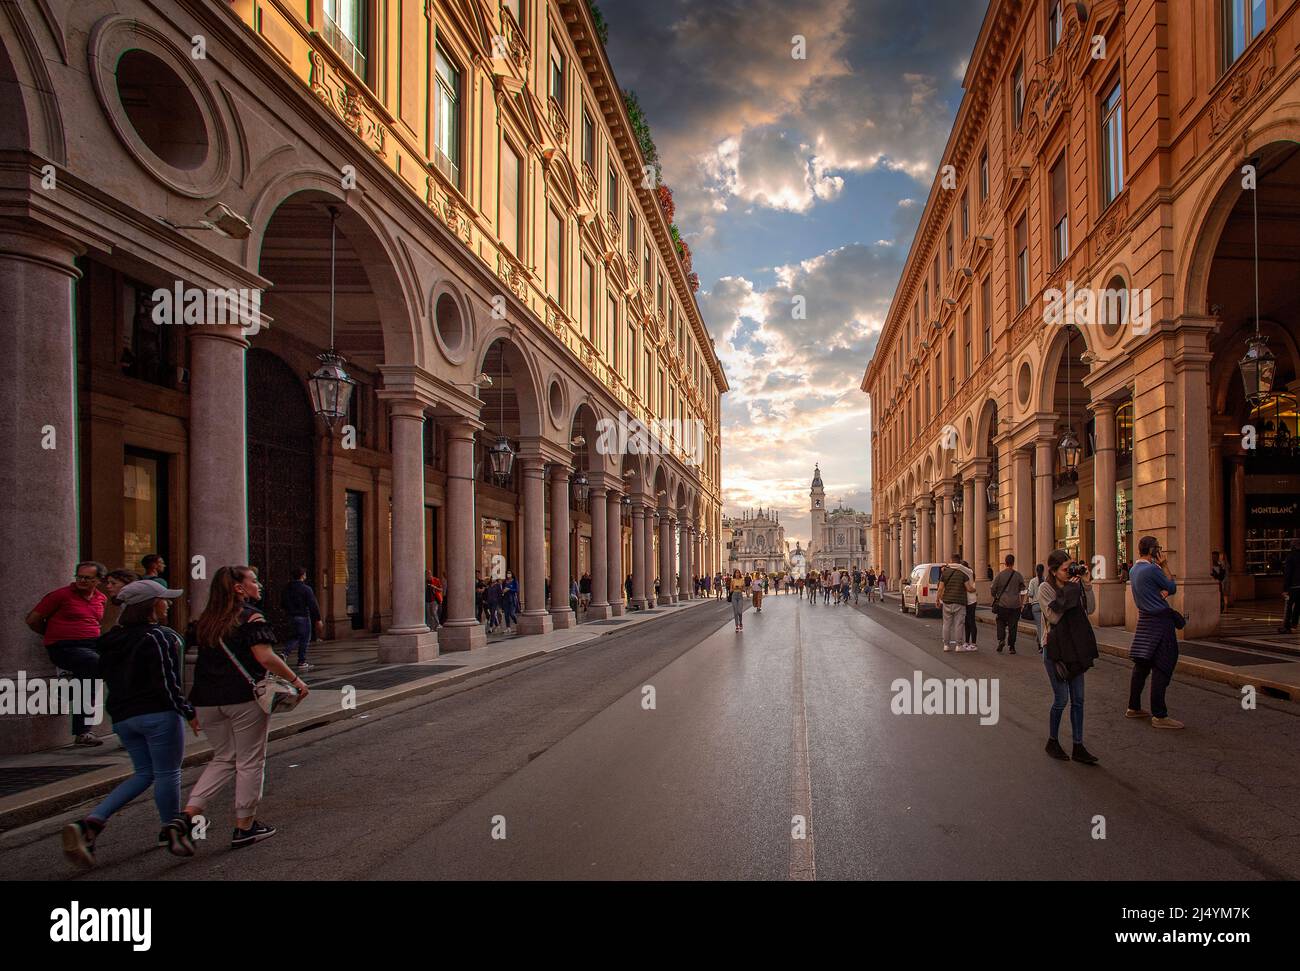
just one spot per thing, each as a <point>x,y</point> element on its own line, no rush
<point>1258,368</point>
<point>581,487</point>
<point>330,385</point>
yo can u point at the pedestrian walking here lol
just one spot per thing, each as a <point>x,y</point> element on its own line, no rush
<point>1155,641</point>
<point>1219,572</point>
<point>972,603</point>
<point>1008,598</point>
<point>953,586</point>
<point>1291,589</point>
<point>69,621</point>
<point>1035,607</point>
<point>756,589</point>
<point>299,602</point>
<point>510,601</point>
<point>140,663</point>
<point>737,588</point>
<point>1069,646</point>
<point>235,646</point>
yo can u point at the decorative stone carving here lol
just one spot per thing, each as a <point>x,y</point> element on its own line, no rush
<point>513,275</point>
<point>1248,78</point>
<point>349,103</point>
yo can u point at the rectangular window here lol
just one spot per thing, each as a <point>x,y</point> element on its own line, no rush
<point>952,363</point>
<point>516,10</point>
<point>1112,144</point>
<point>508,216</point>
<point>1060,213</point>
<point>966,339</point>
<point>345,29</point>
<point>984,174</point>
<point>986,317</point>
<point>936,284</point>
<point>557,77</point>
<point>447,118</point>
<point>659,295</point>
<point>947,252</point>
<point>555,256</point>
<point>1018,95</point>
<point>611,322</point>
<point>588,141</point>
<point>631,234</point>
<point>611,193</point>
<point>965,214</point>
<point>645,267</point>
<point>587,300</point>
<point>1022,263</point>
<point>1243,21</point>
<point>144,505</point>
<point>1053,25</point>
<point>925,304</point>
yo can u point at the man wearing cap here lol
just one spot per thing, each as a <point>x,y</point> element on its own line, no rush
<point>69,619</point>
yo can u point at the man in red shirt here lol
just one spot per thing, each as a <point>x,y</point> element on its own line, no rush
<point>69,619</point>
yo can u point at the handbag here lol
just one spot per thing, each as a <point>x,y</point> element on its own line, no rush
<point>272,693</point>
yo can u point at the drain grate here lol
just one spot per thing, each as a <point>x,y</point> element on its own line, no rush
<point>1220,655</point>
<point>392,677</point>
<point>15,780</point>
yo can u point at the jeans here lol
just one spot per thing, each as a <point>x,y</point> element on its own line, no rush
<point>156,743</point>
<point>1008,624</point>
<point>1061,691</point>
<point>512,612</point>
<point>1159,682</point>
<point>1038,624</point>
<point>737,606</point>
<point>82,659</point>
<point>301,624</point>
<point>954,620</point>
<point>972,630</point>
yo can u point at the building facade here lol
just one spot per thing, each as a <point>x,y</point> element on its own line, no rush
<point>1060,364</point>
<point>757,543</point>
<point>841,537</point>
<point>448,195</point>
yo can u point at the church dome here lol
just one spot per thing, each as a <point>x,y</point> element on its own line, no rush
<point>817,476</point>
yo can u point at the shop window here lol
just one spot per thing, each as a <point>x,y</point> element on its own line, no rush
<point>144,506</point>
<point>1124,432</point>
<point>149,352</point>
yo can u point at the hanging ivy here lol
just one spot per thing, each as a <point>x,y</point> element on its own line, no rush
<point>641,132</point>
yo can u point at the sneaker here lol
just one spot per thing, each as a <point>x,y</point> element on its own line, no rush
<point>1081,754</point>
<point>254,834</point>
<point>971,647</point>
<point>87,739</point>
<point>948,647</point>
<point>1166,723</point>
<point>1000,648</point>
<point>1011,650</point>
<point>79,843</point>
<point>176,837</point>
<point>1055,751</point>
<point>304,666</point>
<point>1137,713</point>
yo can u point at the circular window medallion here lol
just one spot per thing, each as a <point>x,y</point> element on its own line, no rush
<point>1112,309</point>
<point>555,401</point>
<point>159,106</point>
<point>450,326</point>
<point>1023,381</point>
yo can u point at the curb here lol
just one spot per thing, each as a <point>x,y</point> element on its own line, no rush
<point>22,809</point>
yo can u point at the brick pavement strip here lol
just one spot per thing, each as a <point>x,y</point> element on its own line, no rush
<point>321,708</point>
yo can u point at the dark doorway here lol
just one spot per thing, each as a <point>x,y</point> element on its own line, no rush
<point>281,479</point>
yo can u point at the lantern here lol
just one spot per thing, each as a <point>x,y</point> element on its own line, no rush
<point>1258,367</point>
<point>330,387</point>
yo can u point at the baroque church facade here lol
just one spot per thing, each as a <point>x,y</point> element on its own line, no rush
<point>841,537</point>
<point>757,543</point>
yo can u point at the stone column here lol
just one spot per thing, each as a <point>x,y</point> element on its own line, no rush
<point>651,563</point>
<point>947,488</point>
<point>639,579</point>
<point>1198,594</point>
<point>600,608</point>
<point>666,570</point>
<point>924,508</point>
<point>1022,486</point>
<point>980,529</point>
<point>1044,513</point>
<point>562,616</point>
<point>408,639</point>
<point>684,561</point>
<point>908,551</point>
<point>1109,590</point>
<point>969,505</point>
<point>616,591</point>
<point>218,454</point>
<point>1241,584</point>
<point>38,462</point>
<point>534,619</point>
<point>462,631</point>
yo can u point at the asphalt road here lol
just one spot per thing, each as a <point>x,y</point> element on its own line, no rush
<point>560,768</point>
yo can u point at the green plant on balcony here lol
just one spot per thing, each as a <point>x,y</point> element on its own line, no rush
<point>602,26</point>
<point>641,132</point>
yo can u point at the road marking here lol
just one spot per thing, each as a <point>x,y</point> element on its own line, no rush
<point>803,858</point>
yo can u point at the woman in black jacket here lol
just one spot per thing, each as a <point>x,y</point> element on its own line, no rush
<point>1070,647</point>
<point>140,664</point>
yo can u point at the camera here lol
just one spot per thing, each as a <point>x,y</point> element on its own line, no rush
<point>1077,569</point>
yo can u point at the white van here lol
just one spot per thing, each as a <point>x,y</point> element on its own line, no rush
<point>921,589</point>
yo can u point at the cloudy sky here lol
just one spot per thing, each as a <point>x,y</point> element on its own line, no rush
<point>796,179</point>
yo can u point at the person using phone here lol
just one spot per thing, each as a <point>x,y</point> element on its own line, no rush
<point>1155,642</point>
<point>1069,647</point>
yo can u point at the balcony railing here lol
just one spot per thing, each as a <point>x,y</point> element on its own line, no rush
<point>347,50</point>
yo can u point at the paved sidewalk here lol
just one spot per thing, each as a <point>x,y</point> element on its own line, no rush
<point>1274,671</point>
<point>38,784</point>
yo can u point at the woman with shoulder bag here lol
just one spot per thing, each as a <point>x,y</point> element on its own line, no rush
<point>235,655</point>
<point>1069,647</point>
